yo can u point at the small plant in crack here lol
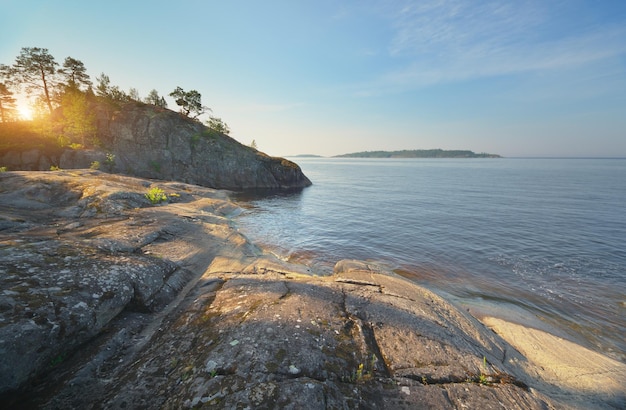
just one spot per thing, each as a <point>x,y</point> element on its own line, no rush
<point>56,361</point>
<point>364,372</point>
<point>359,373</point>
<point>484,378</point>
<point>156,195</point>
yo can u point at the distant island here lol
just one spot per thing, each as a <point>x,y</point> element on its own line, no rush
<point>307,156</point>
<point>419,153</point>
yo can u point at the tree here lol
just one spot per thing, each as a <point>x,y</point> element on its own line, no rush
<point>35,69</point>
<point>103,87</point>
<point>253,144</point>
<point>189,102</point>
<point>154,99</point>
<point>133,94</point>
<point>7,104</point>
<point>75,74</point>
<point>79,122</point>
<point>216,124</point>
<point>105,90</point>
<point>5,73</point>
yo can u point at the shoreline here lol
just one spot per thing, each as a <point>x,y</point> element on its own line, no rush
<point>173,298</point>
<point>563,366</point>
<point>508,310</point>
<point>576,375</point>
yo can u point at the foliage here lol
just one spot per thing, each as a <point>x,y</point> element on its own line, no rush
<point>154,99</point>
<point>253,144</point>
<point>78,120</point>
<point>103,87</point>
<point>189,102</point>
<point>363,373</point>
<point>109,92</point>
<point>95,165</point>
<point>4,169</point>
<point>64,104</point>
<point>75,74</point>
<point>56,360</point>
<point>7,104</point>
<point>23,136</point>
<point>133,94</point>
<point>216,124</point>
<point>34,69</point>
<point>156,195</point>
<point>109,162</point>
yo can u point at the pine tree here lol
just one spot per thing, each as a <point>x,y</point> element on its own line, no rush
<point>7,104</point>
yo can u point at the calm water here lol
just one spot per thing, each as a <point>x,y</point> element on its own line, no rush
<point>540,241</point>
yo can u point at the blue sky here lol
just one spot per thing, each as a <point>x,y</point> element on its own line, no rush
<point>516,78</point>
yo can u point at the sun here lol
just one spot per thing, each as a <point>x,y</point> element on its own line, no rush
<point>26,113</point>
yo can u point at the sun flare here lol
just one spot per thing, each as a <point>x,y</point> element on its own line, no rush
<point>26,113</point>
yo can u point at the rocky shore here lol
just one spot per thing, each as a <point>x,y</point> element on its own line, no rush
<point>110,301</point>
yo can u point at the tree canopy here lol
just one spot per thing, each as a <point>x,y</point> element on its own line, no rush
<point>154,99</point>
<point>66,100</point>
<point>35,70</point>
<point>7,104</point>
<point>216,124</point>
<point>189,102</point>
<point>75,73</point>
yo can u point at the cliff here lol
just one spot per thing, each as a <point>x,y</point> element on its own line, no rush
<point>110,301</point>
<point>151,142</point>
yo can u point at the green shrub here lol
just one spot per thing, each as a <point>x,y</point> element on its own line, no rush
<point>156,195</point>
<point>110,161</point>
<point>95,165</point>
<point>4,169</point>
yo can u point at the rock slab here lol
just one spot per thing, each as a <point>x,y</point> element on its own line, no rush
<point>111,302</point>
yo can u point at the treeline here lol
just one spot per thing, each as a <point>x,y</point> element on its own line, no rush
<point>64,98</point>
<point>419,153</point>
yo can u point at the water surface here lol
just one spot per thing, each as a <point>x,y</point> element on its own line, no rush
<point>541,239</point>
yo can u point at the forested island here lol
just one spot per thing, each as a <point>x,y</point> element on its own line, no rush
<point>419,153</point>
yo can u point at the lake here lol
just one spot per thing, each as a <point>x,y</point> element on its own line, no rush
<point>541,242</point>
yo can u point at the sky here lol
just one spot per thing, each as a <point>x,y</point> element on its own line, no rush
<point>539,78</point>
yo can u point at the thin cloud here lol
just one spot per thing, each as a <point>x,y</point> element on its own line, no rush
<point>451,40</point>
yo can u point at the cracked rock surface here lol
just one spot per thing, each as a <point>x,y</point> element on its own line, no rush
<point>109,302</point>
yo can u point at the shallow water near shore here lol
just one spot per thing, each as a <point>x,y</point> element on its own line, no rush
<point>541,241</point>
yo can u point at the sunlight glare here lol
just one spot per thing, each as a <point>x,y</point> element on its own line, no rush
<point>26,113</point>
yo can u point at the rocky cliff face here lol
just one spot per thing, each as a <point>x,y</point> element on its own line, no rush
<point>157,143</point>
<point>150,142</point>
